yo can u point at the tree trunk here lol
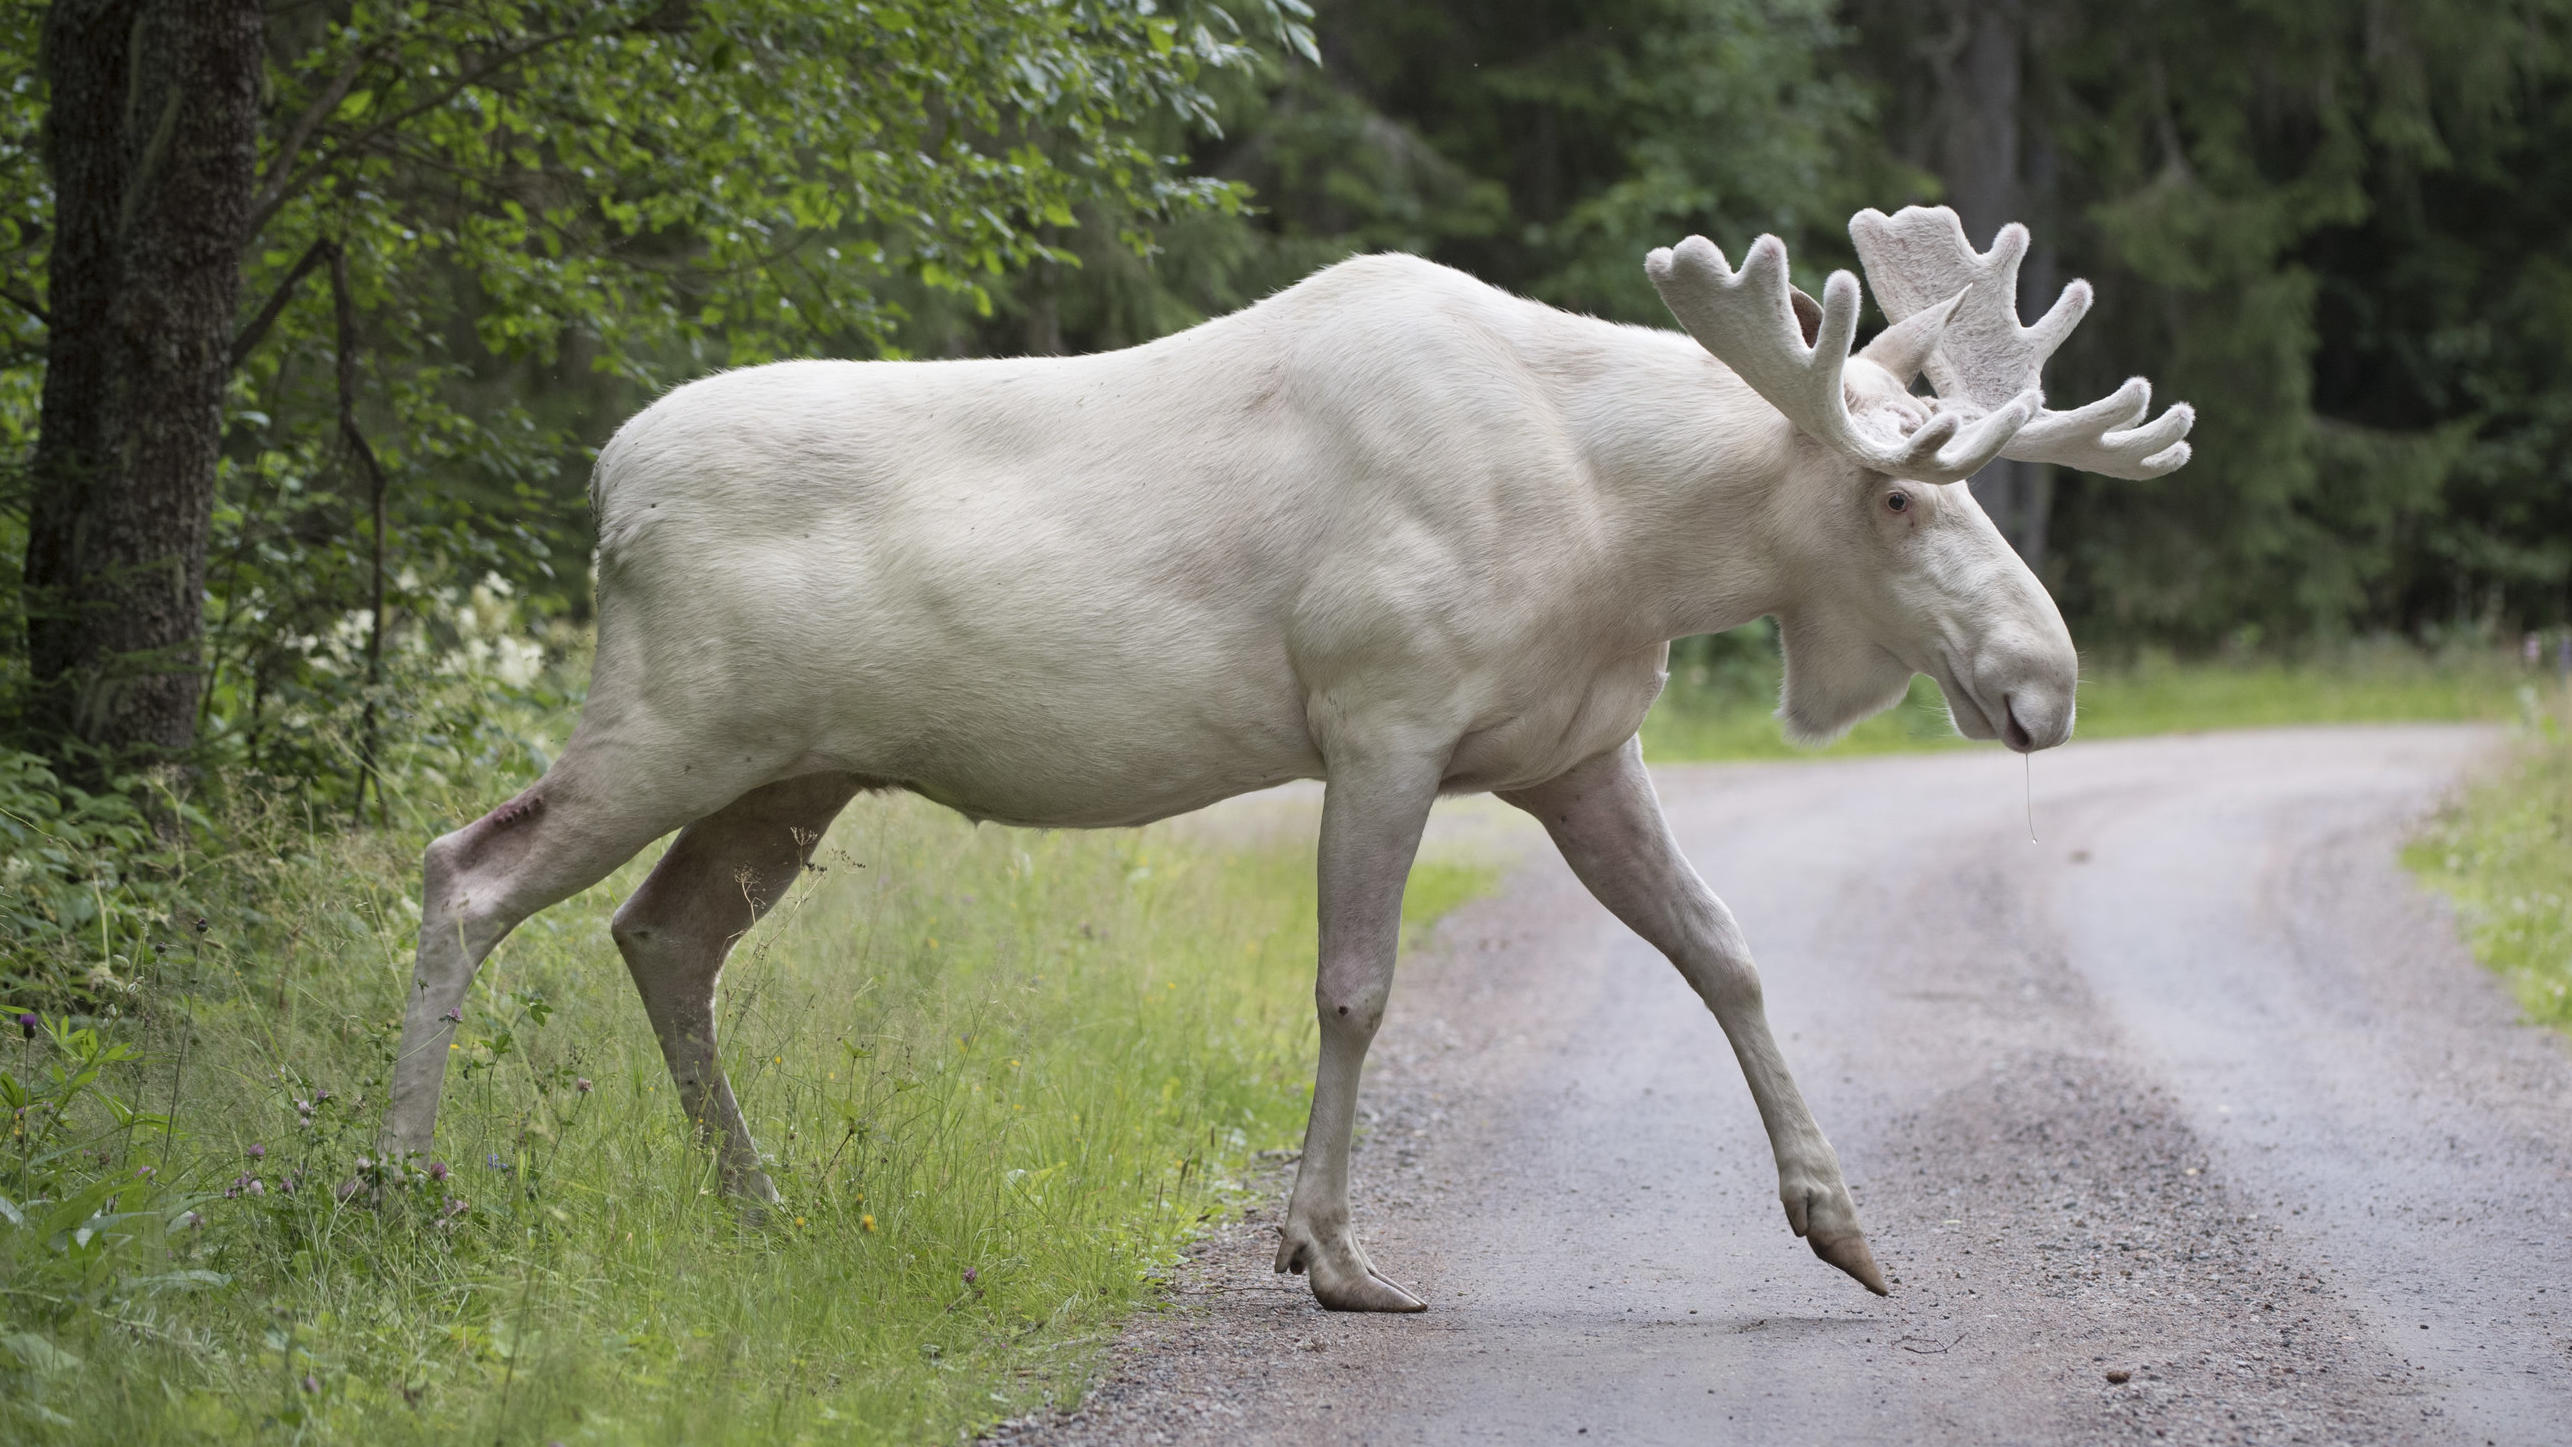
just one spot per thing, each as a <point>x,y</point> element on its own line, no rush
<point>1976,148</point>
<point>151,136</point>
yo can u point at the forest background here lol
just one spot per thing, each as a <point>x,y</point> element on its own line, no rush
<point>313,314</point>
<point>461,240</point>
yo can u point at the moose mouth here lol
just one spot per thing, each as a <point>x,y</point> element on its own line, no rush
<point>1976,719</point>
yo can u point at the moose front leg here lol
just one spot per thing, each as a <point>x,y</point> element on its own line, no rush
<point>1372,814</point>
<point>1607,820</point>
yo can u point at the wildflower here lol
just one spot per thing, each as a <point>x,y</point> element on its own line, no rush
<point>581,1084</point>
<point>256,1151</point>
<point>454,1013</point>
<point>456,1206</point>
<point>192,1220</point>
<point>970,1276</point>
<point>311,1382</point>
<point>348,1189</point>
<point>437,1170</point>
<point>866,1223</point>
<point>143,1172</point>
<point>255,1188</point>
<point>27,1024</point>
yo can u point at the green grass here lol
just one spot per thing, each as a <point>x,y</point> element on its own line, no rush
<point>1733,718</point>
<point>2503,853</point>
<point>1004,1075</point>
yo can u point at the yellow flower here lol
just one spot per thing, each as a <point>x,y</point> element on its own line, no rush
<point>866,1223</point>
<point>799,1220</point>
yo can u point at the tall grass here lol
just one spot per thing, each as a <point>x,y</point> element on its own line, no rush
<point>1003,1075</point>
<point>2503,852</point>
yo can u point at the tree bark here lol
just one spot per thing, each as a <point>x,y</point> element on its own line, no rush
<point>151,135</point>
<point>1976,148</point>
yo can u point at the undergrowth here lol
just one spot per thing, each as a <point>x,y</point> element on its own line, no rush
<point>1003,1076</point>
<point>2503,852</point>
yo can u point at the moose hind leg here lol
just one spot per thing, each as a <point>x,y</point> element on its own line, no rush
<point>721,874</point>
<point>590,813</point>
<point>1607,820</point>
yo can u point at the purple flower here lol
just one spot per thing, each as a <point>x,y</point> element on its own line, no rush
<point>192,1220</point>
<point>348,1189</point>
<point>581,1084</point>
<point>27,1024</point>
<point>969,1276</point>
<point>256,1151</point>
<point>437,1170</point>
<point>255,1188</point>
<point>454,1013</point>
<point>311,1382</point>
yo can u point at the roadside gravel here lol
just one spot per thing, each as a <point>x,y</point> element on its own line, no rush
<point>2191,1123</point>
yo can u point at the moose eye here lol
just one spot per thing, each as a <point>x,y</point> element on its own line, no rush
<point>1897,502</point>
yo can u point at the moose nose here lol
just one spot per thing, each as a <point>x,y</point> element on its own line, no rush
<point>2035,718</point>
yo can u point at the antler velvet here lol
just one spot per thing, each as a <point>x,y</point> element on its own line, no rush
<point>1747,320</point>
<point>1919,257</point>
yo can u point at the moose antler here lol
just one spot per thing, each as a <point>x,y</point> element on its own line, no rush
<point>1748,320</point>
<point>1919,257</point>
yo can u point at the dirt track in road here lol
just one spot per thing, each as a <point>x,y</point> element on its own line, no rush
<point>2200,1088</point>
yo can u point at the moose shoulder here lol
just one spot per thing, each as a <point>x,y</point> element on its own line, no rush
<point>1390,528</point>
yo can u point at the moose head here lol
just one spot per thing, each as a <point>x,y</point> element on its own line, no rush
<point>1908,575</point>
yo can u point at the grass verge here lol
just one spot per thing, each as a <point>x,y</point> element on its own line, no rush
<point>1004,1075</point>
<point>1729,715</point>
<point>2503,852</point>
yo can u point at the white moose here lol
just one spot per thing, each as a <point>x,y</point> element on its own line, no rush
<point>1390,528</point>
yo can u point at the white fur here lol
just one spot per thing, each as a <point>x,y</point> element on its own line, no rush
<point>1390,527</point>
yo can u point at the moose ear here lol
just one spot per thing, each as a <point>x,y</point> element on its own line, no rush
<point>1808,314</point>
<point>1906,346</point>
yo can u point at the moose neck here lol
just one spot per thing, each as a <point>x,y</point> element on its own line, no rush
<point>1686,462</point>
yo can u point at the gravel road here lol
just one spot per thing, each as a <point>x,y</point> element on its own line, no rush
<point>2191,1122</point>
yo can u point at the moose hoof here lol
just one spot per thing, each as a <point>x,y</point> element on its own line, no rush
<point>1849,1253</point>
<point>752,1188</point>
<point>1827,1219</point>
<point>1343,1280</point>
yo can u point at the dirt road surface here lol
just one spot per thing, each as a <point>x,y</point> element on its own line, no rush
<point>2191,1122</point>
